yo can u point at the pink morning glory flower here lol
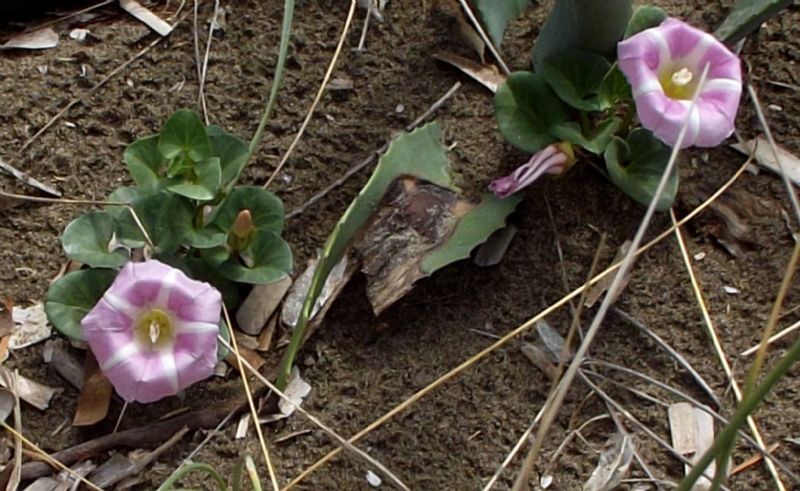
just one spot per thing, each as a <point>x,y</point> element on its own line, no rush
<point>552,159</point>
<point>664,66</point>
<point>154,332</point>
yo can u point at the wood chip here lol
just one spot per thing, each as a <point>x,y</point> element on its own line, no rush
<point>142,13</point>
<point>55,354</point>
<point>692,431</point>
<point>260,305</point>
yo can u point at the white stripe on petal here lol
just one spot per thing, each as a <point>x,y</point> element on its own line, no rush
<point>664,56</point>
<point>182,327</point>
<point>722,84</point>
<point>166,289</point>
<point>170,370</point>
<point>651,85</point>
<point>121,305</point>
<point>692,60</point>
<point>130,349</point>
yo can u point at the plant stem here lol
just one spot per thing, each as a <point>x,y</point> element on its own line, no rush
<point>286,28</point>
<point>746,407</point>
<point>189,468</point>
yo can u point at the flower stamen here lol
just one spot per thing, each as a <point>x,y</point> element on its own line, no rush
<point>682,77</point>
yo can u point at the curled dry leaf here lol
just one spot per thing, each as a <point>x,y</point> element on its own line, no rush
<point>766,157</point>
<point>486,74</point>
<point>613,464</point>
<point>30,326</point>
<point>36,394</point>
<point>40,39</point>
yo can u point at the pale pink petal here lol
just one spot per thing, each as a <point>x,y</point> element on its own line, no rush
<point>108,323</point>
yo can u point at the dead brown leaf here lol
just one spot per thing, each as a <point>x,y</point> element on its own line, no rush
<point>487,75</point>
<point>95,397</point>
<point>249,356</point>
<point>597,290</point>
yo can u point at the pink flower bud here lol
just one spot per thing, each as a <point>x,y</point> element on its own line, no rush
<point>664,66</point>
<point>154,332</point>
<point>243,224</point>
<point>552,159</point>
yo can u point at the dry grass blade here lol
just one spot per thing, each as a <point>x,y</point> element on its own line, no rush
<point>720,352</point>
<point>253,410</point>
<point>625,266</point>
<point>319,95</point>
<point>773,338</point>
<point>672,352</point>
<point>201,93</point>
<point>775,153</point>
<point>512,334</point>
<point>484,37</point>
<point>329,431</point>
<point>47,458</point>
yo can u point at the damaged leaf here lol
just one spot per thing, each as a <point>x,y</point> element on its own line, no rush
<point>487,75</point>
<point>613,464</point>
<point>418,158</point>
<point>30,326</point>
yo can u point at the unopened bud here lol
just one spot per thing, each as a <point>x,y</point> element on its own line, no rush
<point>243,224</point>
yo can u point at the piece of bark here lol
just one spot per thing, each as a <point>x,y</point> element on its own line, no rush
<point>56,355</point>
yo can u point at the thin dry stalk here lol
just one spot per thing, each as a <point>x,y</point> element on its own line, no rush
<point>413,399</point>
<point>253,410</point>
<point>718,349</point>
<point>47,458</point>
<point>613,290</point>
<point>484,37</point>
<point>773,338</point>
<point>201,94</point>
<point>325,428</point>
<point>319,95</point>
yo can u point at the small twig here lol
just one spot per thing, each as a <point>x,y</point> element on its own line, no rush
<point>363,39</point>
<point>484,37</point>
<point>671,351</point>
<point>63,201</point>
<point>323,86</point>
<point>369,160</point>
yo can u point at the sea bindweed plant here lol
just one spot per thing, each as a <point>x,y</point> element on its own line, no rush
<point>153,325</point>
<point>619,84</point>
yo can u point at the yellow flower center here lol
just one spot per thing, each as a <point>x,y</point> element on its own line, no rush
<point>154,329</point>
<point>678,83</point>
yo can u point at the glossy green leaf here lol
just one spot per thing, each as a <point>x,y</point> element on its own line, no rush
<point>613,89</point>
<point>496,14</point>
<point>73,295</point>
<point>232,153</point>
<point>636,165</point>
<point>204,238</point>
<point>472,230</point>
<point>527,109</point>
<point>576,77</point>
<point>644,18</point>
<point>589,25</point>
<point>596,142</point>
<point>266,209</point>
<point>270,260</point>
<point>184,135</point>
<point>204,184</point>
<point>166,217</point>
<point>144,163</point>
<point>88,239</point>
<point>747,16</point>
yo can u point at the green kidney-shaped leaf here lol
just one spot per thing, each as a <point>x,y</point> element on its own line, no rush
<point>232,153</point>
<point>205,238</point>
<point>595,142</point>
<point>527,109</point>
<point>644,18</point>
<point>73,295</point>
<point>589,25</point>
<point>204,186</point>
<point>266,209</point>
<point>747,16</point>
<point>576,76</point>
<point>614,88</point>
<point>496,14</point>
<point>270,256</point>
<point>166,217</point>
<point>184,135</point>
<point>636,165</point>
<point>144,163</point>
<point>88,239</point>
